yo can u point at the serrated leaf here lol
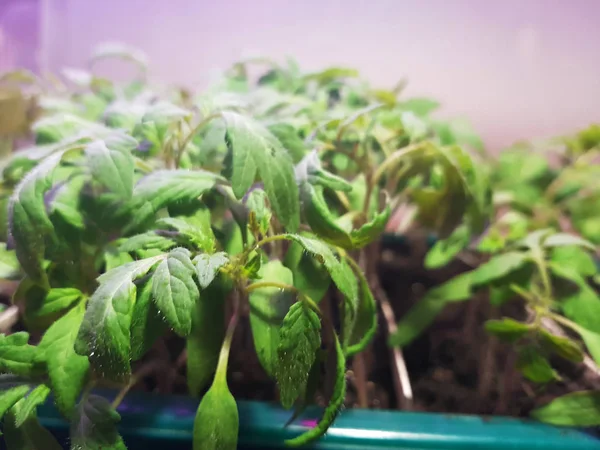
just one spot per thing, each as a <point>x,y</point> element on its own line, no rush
<point>217,422</point>
<point>18,357</point>
<point>30,403</point>
<point>445,250</point>
<point>112,167</point>
<point>94,425</point>
<point>268,307</point>
<point>335,403</point>
<point>105,333</point>
<point>299,339</point>
<point>289,138</point>
<point>9,265</point>
<point>174,291</point>
<point>498,266</point>
<point>208,331</point>
<point>146,323</point>
<point>65,200</point>
<point>534,366</point>
<point>165,187</point>
<point>256,150</point>
<point>113,259</point>
<point>421,315</point>
<point>564,239</point>
<point>576,409</point>
<point>67,371</point>
<point>30,435</point>
<point>507,329</point>
<point>11,396</point>
<point>196,228</point>
<point>207,267</point>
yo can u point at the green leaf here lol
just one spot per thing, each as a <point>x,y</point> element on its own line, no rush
<point>498,266</point>
<point>58,300</point>
<point>310,277</point>
<point>145,241</point>
<point>576,259</point>
<point>582,306</point>
<point>113,259</point>
<point>11,396</point>
<point>112,167</point>
<point>564,239</point>
<point>105,334</point>
<point>18,357</point>
<point>208,331</point>
<point>195,228</point>
<point>562,346</point>
<point>445,250</point>
<point>207,267</point>
<point>577,409</point>
<point>268,307</point>
<point>421,315</point>
<point>534,366</point>
<point>591,339</point>
<point>30,435</point>
<point>117,50</point>
<point>342,277</point>
<point>366,318</point>
<point>94,425</point>
<point>332,409</point>
<point>256,150</point>
<point>260,215</point>
<point>165,187</point>
<point>9,265</point>
<point>507,330</point>
<point>28,221</point>
<point>217,422</point>
<point>289,138</point>
<point>163,112</point>
<point>67,371</point>
<point>66,201</point>
<point>30,403</point>
<point>146,324</point>
<point>420,106</point>
<point>299,339</point>
<point>174,291</point>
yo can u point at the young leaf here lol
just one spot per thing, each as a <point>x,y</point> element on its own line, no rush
<point>444,250</point>
<point>421,315</point>
<point>59,299</point>
<point>217,421</point>
<point>562,346</point>
<point>564,239</point>
<point>575,258</point>
<point>204,342</point>
<point>29,404</point>
<point>112,166</point>
<point>332,409</point>
<point>255,149</point>
<point>207,267</point>
<point>67,371</point>
<point>310,277</point>
<point>105,335</point>
<point>146,323</point>
<point>164,187</point>
<point>507,330</point>
<point>534,366</point>
<point>30,435</point>
<point>268,307</point>
<point>299,339</point>
<point>366,318</point>
<point>260,215</point>
<point>577,409</point>
<point>498,267</point>
<point>174,291</point>
<point>145,241</point>
<point>11,396</point>
<point>94,425</point>
<point>18,357</point>
<point>9,265</point>
<point>64,201</point>
<point>199,234</point>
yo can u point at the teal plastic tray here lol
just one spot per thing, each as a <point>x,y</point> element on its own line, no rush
<point>152,422</point>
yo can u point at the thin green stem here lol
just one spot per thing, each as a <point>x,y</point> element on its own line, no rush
<point>393,159</point>
<point>221,373</point>
<point>194,130</point>
<point>539,260</point>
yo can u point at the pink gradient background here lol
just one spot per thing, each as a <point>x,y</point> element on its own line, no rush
<point>516,68</point>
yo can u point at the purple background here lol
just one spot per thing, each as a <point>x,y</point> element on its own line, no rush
<point>516,68</point>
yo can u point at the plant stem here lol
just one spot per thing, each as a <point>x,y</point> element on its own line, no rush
<point>145,370</point>
<point>194,130</point>
<point>286,287</point>
<point>392,159</point>
<point>221,372</point>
